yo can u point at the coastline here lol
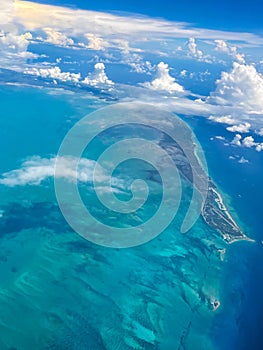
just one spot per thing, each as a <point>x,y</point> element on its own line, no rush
<point>216,214</point>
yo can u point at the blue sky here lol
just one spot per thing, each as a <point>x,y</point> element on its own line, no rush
<point>224,15</point>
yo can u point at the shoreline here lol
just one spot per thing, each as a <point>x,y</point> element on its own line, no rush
<point>237,234</point>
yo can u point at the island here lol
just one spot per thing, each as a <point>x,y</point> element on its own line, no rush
<point>214,211</point>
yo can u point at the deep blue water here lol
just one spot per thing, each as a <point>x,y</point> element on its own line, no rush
<point>244,271</point>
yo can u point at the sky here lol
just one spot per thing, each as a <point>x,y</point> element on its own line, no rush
<point>224,15</point>
<point>191,59</point>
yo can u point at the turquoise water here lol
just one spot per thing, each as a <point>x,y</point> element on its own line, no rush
<point>59,291</point>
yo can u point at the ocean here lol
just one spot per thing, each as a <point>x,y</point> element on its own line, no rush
<point>244,269</point>
<point>59,291</point>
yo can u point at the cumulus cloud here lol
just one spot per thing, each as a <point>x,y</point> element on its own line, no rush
<point>259,147</point>
<point>237,140</point>
<point>57,38</point>
<point>192,46</point>
<point>98,77</point>
<point>54,73</point>
<point>164,81</point>
<point>137,64</point>
<point>241,128</point>
<point>247,142</point>
<point>242,87</point>
<point>14,49</point>
<point>183,73</point>
<point>222,46</point>
<point>239,93</point>
<point>16,43</point>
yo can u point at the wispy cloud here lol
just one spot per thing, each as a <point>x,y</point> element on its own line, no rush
<point>36,170</point>
<point>34,16</point>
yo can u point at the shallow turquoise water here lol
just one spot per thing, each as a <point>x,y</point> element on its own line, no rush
<point>58,291</point>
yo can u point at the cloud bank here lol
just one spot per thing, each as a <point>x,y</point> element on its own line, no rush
<point>53,73</point>
<point>97,79</point>
<point>75,22</point>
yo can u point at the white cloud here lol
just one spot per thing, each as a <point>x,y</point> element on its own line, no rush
<point>242,87</point>
<point>192,46</point>
<point>259,147</point>
<point>247,142</point>
<point>237,140</point>
<point>243,160</point>
<point>36,170</point>
<point>241,128</point>
<point>6,14</point>
<point>225,119</point>
<point>33,172</point>
<point>15,43</point>
<point>222,46</point>
<point>96,42</point>
<point>137,64</point>
<point>259,132</point>
<point>54,73</point>
<point>177,103</point>
<point>164,81</point>
<point>240,58</point>
<point>74,22</point>
<point>57,38</point>
<point>131,56</point>
<point>99,77</point>
<point>239,93</point>
<point>14,49</point>
<point>183,73</point>
<point>221,138</point>
<point>124,46</point>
